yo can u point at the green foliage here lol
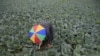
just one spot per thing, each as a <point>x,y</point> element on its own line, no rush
<point>75,22</point>
<point>51,53</point>
<point>98,21</point>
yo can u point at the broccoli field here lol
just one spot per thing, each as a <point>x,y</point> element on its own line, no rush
<point>76,27</point>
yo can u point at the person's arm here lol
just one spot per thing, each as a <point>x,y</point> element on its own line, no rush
<point>40,45</point>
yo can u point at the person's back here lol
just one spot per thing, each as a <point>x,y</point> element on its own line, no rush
<point>49,34</point>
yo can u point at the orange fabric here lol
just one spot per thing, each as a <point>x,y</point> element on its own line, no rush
<point>35,28</point>
<point>32,38</point>
<point>39,28</point>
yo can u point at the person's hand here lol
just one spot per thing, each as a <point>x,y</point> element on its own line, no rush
<point>49,45</point>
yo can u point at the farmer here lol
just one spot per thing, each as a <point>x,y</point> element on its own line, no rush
<point>49,35</point>
<point>42,34</point>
